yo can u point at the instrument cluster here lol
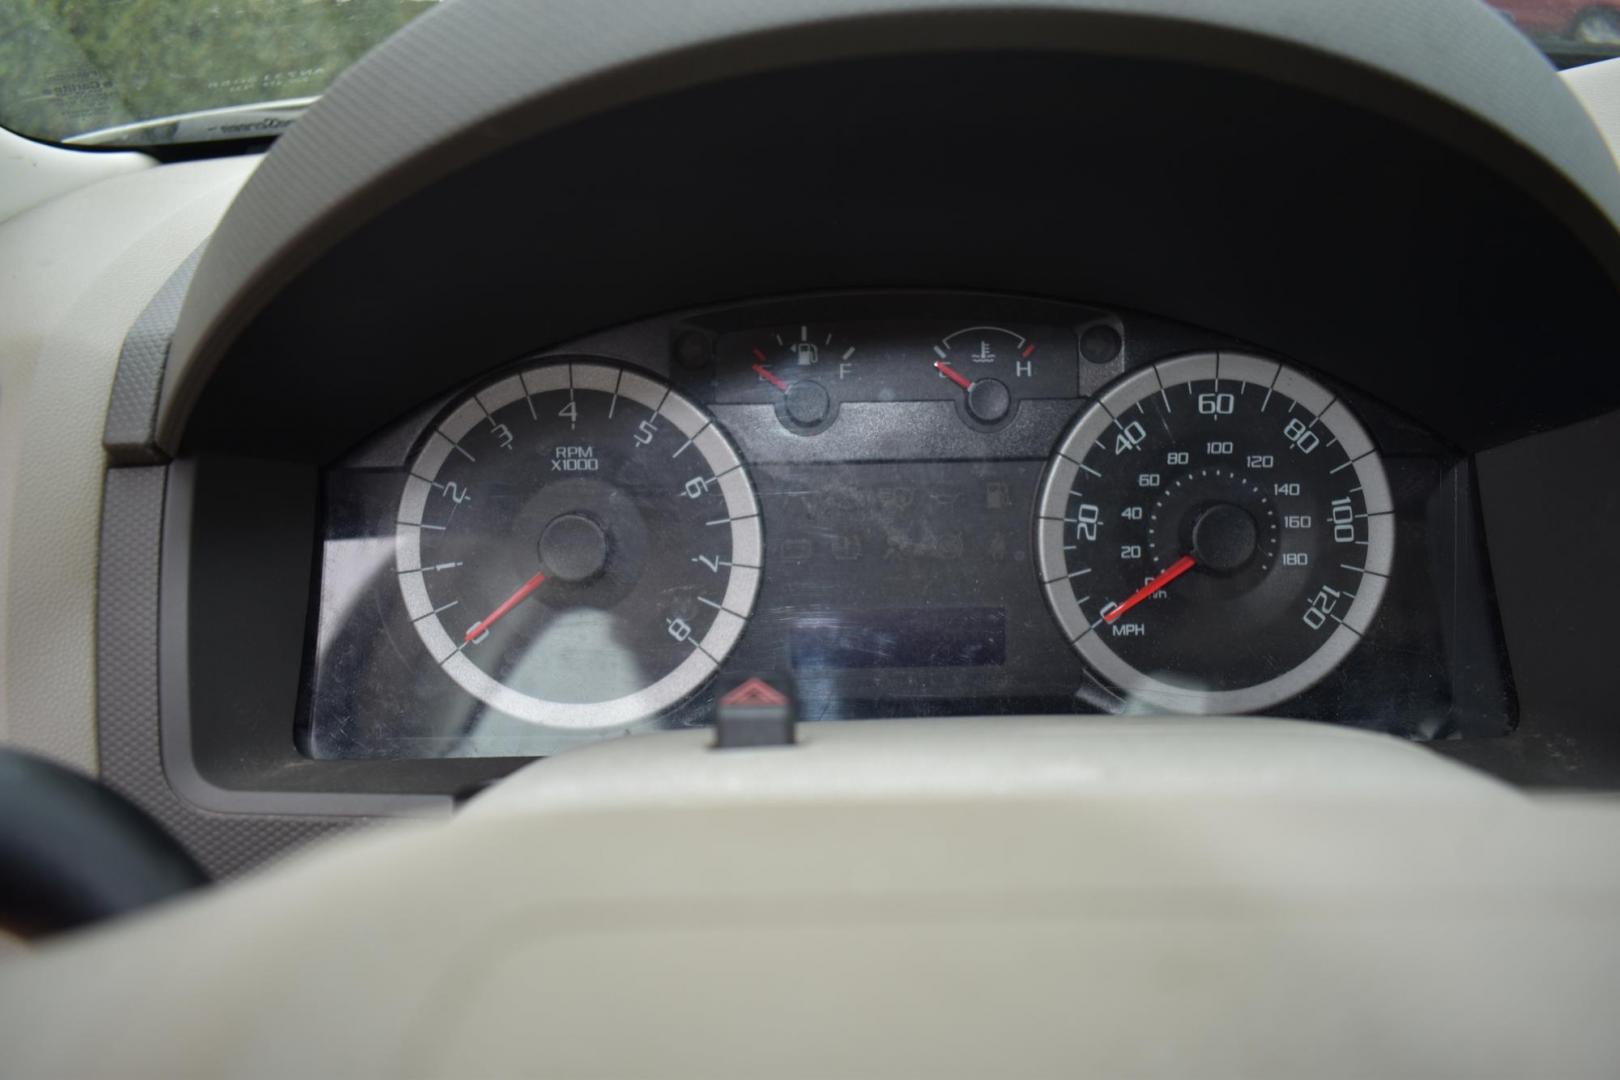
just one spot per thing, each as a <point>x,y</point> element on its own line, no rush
<point>900,505</point>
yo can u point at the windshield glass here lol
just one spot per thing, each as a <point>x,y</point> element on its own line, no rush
<point>134,72</point>
<point>151,72</point>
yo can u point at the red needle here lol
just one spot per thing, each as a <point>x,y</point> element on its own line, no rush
<point>952,374</point>
<point>765,373</point>
<point>1173,571</point>
<point>507,605</point>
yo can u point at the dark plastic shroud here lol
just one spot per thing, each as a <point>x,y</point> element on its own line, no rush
<point>1390,261</point>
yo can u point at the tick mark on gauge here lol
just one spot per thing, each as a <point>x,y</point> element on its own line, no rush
<point>435,611</point>
<point>430,569</point>
<point>719,607</point>
<point>690,441</point>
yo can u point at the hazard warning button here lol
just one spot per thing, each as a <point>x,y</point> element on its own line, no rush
<point>754,710</point>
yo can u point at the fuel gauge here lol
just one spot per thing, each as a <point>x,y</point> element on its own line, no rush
<point>809,370</point>
<point>801,369</point>
<point>801,352</point>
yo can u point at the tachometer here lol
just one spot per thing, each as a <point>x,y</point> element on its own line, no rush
<point>578,545</point>
<point>1215,533</point>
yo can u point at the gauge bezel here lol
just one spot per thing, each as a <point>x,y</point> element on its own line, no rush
<point>1065,466</point>
<point>703,434</point>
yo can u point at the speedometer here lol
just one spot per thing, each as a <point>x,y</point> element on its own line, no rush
<point>1215,533</point>
<point>578,545</point>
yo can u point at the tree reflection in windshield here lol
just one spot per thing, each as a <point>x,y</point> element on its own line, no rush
<point>73,66</point>
<point>131,72</point>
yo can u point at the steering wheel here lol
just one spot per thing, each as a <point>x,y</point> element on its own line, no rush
<point>73,852</point>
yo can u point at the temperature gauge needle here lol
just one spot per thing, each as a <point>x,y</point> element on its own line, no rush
<point>988,400</point>
<point>506,605</point>
<point>1171,572</point>
<point>952,374</point>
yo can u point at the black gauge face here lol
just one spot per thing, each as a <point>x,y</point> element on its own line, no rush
<point>578,546</point>
<point>1215,533</point>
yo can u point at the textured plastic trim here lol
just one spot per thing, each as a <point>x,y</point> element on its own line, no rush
<point>130,435</point>
<point>179,764</point>
<point>474,77</point>
<point>127,690</point>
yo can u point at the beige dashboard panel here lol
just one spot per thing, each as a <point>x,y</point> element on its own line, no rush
<point>32,172</point>
<point>74,274</point>
<point>944,898</point>
<point>1597,87</point>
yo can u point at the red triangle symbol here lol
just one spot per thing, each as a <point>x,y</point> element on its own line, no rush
<point>754,692</point>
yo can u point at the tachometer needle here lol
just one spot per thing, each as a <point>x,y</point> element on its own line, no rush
<point>952,374</point>
<point>1171,572</point>
<point>507,605</point>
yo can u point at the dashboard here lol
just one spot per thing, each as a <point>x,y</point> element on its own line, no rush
<point>1161,452</point>
<point>894,504</point>
<point>562,412</point>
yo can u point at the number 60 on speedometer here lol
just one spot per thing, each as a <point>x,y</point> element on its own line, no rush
<point>1215,533</point>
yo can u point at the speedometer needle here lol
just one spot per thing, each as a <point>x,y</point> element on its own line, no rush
<point>1171,572</point>
<point>507,605</point>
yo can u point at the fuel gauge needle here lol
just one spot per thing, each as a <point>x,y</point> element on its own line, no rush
<point>1171,572</point>
<point>771,377</point>
<point>506,605</point>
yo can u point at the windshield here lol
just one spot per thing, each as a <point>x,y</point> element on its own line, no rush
<point>152,72</point>
<point>136,72</point>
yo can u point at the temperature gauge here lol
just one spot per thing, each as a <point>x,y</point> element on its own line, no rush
<point>994,366</point>
<point>809,370</point>
<point>989,350</point>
